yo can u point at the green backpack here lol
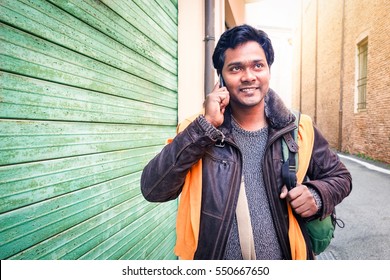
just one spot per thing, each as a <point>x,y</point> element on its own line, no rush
<point>320,232</point>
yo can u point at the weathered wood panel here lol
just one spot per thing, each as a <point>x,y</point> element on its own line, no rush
<point>88,96</point>
<point>27,55</point>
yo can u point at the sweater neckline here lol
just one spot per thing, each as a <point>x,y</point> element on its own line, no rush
<point>236,126</point>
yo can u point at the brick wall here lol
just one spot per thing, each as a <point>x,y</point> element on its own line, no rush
<point>328,68</point>
<point>329,73</point>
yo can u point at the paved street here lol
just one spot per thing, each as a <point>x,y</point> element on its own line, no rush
<point>366,214</point>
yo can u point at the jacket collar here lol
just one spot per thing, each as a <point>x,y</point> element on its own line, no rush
<point>278,115</point>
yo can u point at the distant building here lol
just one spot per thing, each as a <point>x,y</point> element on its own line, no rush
<point>342,73</point>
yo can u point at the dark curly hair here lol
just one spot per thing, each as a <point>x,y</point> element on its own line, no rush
<point>237,36</point>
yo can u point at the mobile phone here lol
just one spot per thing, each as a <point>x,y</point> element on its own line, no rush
<point>221,81</point>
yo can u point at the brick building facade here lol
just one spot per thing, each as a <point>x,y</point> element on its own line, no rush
<point>342,74</point>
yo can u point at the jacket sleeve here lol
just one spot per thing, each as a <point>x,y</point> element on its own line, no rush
<point>328,175</point>
<point>163,177</point>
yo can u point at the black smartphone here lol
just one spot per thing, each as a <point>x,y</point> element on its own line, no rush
<point>221,81</point>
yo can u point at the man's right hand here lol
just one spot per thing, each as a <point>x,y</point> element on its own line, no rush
<point>215,105</point>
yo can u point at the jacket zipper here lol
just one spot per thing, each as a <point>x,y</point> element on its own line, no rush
<point>235,197</point>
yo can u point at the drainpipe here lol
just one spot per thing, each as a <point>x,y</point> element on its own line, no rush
<point>340,136</point>
<point>209,46</point>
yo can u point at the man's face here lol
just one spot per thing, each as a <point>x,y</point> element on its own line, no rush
<point>246,74</point>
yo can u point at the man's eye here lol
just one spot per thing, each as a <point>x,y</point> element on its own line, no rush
<point>259,65</point>
<point>236,68</point>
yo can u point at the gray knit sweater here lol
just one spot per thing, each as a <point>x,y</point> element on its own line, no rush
<point>252,145</point>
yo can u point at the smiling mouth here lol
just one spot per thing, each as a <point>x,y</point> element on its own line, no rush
<point>249,90</point>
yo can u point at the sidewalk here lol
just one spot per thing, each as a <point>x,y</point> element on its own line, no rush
<point>370,164</point>
<point>365,213</point>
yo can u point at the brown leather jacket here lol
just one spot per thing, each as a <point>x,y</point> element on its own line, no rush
<point>163,177</point>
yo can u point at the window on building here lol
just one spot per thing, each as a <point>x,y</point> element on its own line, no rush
<point>362,75</point>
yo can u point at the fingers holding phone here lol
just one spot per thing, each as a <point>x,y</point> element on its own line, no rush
<point>216,102</point>
<point>223,91</point>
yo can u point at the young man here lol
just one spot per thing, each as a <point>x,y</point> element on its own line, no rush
<point>235,148</point>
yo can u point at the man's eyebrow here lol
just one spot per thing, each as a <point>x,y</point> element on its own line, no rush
<point>238,63</point>
<point>234,64</point>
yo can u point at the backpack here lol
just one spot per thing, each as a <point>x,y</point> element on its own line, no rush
<point>321,232</point>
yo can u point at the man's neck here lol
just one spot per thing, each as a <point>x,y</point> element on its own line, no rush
<point>250,119</point>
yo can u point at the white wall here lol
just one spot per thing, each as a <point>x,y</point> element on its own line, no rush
<point>277,19</point>
<point>191,57</point>
<point>191,52</point>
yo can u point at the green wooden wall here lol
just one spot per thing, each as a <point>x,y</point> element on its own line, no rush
<point>88,97</point>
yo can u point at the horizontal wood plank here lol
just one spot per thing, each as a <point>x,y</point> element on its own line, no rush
<point>31,56</point>
<point>57,26</point>
<point>25,184</point>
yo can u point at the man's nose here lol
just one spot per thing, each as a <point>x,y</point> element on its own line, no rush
<point>248,76</point>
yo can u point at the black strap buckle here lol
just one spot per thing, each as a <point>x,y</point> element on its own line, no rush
<point>220,143</point>
<point>289,175</point>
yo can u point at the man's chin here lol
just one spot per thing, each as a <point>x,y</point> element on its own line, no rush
<point>248,103</point>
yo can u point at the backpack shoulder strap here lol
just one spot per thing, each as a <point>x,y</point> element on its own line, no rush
<point>294,134</point>
<point>304,136</point>
<point>305,143</point>
<point>290,155</point>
